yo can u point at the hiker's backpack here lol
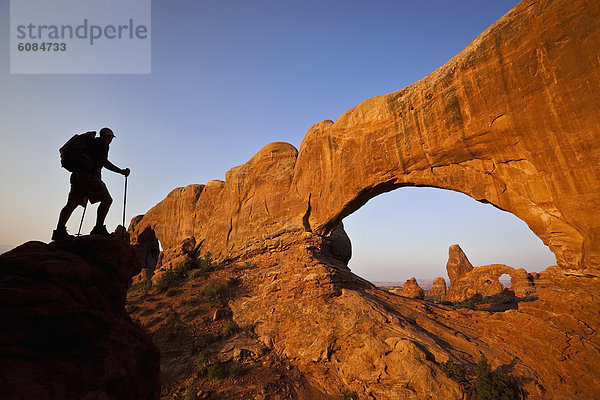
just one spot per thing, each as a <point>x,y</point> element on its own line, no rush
<point>74,155</point>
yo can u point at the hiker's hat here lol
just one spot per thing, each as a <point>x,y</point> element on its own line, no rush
<point>107,132</point>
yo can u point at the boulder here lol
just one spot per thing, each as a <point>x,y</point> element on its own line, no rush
<point>522,283</point>
<point>412,289</point>
<point>221,313</point>
<point>341,247</point>
<point>147,249</point>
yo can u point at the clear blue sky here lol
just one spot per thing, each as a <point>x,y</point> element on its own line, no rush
<point>231,76</point>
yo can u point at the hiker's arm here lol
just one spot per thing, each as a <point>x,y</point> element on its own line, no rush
<point>112,167</point>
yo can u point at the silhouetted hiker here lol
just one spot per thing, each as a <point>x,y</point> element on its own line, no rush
<point>86,180</point>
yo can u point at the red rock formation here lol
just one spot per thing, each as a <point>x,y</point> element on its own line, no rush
<point>458,264</point>
<point>467,282</point>
<point>412,289</point>
<point>512,121</point>
<point>147,247</point>
<point>438,289</point>
<point>344,334</point>
<point>66,334</point>
<point>509,121</point>
<point>182,255</point>
<point>522,283</point>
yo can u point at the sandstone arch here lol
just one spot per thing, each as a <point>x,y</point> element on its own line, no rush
<point>503,122</point>
<point>512,121</point>
<point>467,281</point>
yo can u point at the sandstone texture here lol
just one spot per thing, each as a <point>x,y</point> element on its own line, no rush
<point>191,323</point>
<point>65,332</point>
<point>412,289</point>
<point>512,121</point>
<point>345,334</point>
<point>458,264</point>
<point>484,281</point>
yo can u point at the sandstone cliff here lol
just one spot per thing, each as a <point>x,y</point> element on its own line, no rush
<point>511,121</point>
<point>65,332</point>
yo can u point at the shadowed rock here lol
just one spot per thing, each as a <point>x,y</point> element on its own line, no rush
<point>66,334</point>
<point>147,249</point>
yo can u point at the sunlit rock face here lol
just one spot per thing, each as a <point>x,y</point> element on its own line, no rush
<point>438,289</point>
<point>484,281</point>
<point>458,264</point>
<point>467,282</point>
<point>513,121</point>
<point>412,289</point>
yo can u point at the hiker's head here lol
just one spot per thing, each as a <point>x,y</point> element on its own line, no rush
<point>107,134</point>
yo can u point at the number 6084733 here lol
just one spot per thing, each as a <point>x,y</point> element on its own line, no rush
<point>44,46</point>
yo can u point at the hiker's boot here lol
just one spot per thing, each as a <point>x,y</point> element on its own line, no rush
<point>100,230</point>
<point>60,233</point>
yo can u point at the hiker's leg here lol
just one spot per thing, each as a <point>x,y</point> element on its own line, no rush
<point>75,198</point>
<point>65,214</point>
<point>103,210</point>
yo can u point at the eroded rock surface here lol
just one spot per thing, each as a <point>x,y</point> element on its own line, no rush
<point>66,334</point>
<point>345,334</point>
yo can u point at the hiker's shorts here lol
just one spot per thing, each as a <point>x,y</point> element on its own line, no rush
<point>86,187</point>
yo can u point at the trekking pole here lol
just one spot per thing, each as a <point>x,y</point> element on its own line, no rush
<point>124,205</point>
<point>82,216</point>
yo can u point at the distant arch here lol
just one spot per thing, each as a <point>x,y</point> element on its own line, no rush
<point>405,216</point>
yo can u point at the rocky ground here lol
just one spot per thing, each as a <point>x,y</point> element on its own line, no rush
<point>239,330</point>
<point>204,353</point>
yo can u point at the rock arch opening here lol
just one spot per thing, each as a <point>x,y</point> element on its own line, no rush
<point>505,280</point>
<point>407,232</point>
